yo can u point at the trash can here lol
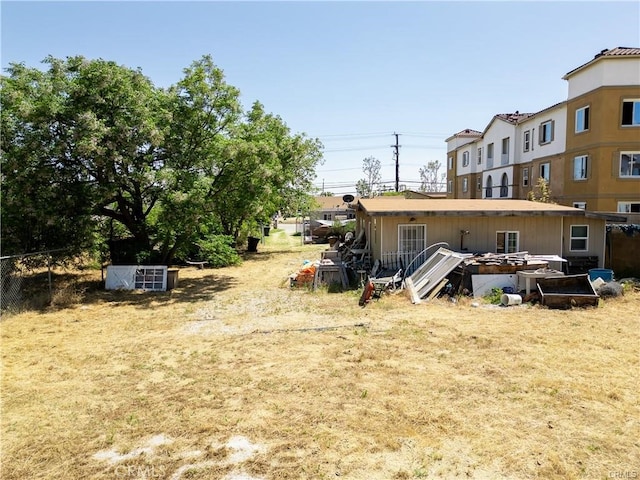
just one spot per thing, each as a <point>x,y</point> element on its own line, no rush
<point>603,273</point>
<point>252,244</point>
<point>266,230</point>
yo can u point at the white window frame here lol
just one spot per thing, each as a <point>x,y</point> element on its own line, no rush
<point>414,242</point>
<point>509,236</point>
<point>450,186</point>
<point>526,140</point>
<point>465,158</point>
<point>490,153</point>
<point>152,278</point>
<point>581,173</point>
<point>545,167</point>
<point>525,177</point>
<point>635,112</point>
<point>504,186</point>
<point>488,191</point>
<point>633,165</point>
<point>465,184</point>
<point>546,132</point>
<point>582,119</point>
<point>504,152</point>
<point>450,163</point>
<point>578,238</point>
<point>479,155</point>
<point>628,207</point>
<point>582,205</point>
<point>479,184</point>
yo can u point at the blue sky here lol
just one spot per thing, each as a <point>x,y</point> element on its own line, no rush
<point>349,73</point>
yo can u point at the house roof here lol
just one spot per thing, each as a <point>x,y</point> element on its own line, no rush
<point>466,133</point>
<point>606,53</point>
<point>332,203</point>
<point>391,206</point>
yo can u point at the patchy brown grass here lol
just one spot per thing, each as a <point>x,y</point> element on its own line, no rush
<point>233,375</point>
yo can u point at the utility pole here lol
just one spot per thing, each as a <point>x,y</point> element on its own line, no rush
<point>396,153</point>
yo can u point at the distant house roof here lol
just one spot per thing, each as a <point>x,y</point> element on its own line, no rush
<point>331,203</point>
<point>513,117</point>
<point>467,207</point>
<point>466,133</point>
<point>606,53</point>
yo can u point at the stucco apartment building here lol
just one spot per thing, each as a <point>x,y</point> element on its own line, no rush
<point>586,147</point>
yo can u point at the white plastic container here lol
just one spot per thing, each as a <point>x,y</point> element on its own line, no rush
<point>510,299</point>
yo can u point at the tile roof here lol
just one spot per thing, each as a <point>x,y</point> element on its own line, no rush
<point>386,206</point>
<point>614,52</point>
<point>513,117</point>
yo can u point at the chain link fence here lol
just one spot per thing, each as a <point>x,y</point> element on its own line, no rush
<point>14,272</point>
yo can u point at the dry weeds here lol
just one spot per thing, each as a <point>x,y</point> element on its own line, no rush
<point>234,376</point>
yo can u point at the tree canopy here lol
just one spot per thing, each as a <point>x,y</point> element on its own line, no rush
<point>90,143</point>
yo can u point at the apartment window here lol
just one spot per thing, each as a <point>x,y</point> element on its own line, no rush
<point>479,184</point>
<point>579,238</point>
<point>412,238</point>
<point>505,151</point>
<point>546,132</point>
<point>545,171</point>
<point>526,140</point>
<point>507,242</point>
<point>582,205</point>
<point>489,189</point>
<point>479,156</point>
<point>465,184</point>
<point>465,158</point>
<point>525,177</point>
<point>629,207</point>
<point>631,112</point>
<point>450,186</point>
<point>504,186</point>
<point>630,164</point>
<point>582,119</point>
<point>490,155</point>
<point>450,163</point>
<point>580,167</point>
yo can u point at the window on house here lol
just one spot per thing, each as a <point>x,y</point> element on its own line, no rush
<point>505,151</point>
<point>465,158</point>
<point>582,119</point>
<point>630,164</point>
<point>479,184</point>
<point>546,132</point>
<point>465,184</point>
<point>479,156</point>
<point>580,167</point>
<point>526,140</point>
<point>545,171</point>
<point>450,163</point>
<point>525,177</point>
<point>579,238</point>
<point>450,186</point>
<point>582,205</point>
<point>412,238</point>
<point>631,112</point>
<point>490,155</point>
<point>504,186</point>
<point>629,207</point>
<point>489,188</point>
<point>507,242</point>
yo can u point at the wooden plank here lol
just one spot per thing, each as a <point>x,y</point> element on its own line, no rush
<point>436,290</point>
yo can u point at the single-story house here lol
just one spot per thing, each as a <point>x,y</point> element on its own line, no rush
<point>331,208</point>
<point>404,227</point>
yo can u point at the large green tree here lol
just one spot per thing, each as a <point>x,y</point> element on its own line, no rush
<point>87,140</point>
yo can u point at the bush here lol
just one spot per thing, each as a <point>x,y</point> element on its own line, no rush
<point>219,251</point>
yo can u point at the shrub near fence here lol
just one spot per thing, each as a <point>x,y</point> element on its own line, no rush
<point>14,270</point>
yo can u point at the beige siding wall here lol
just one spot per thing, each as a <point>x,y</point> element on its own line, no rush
<point>537,235</point>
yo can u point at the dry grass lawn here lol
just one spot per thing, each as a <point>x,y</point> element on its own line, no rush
<point>234,376</point>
